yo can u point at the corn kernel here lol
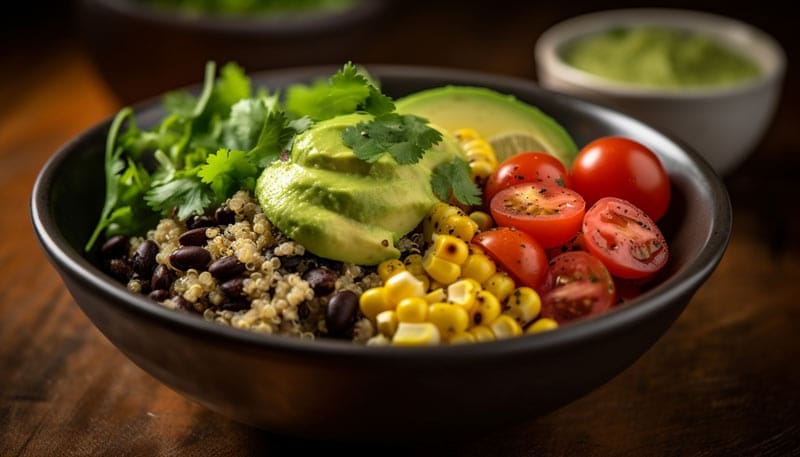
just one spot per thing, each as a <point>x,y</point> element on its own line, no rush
<point>423,334</point>
<point>475,249</point>
<point>480,170</point>
<point>373,301</point>
<point>463,293</point>
<point>413,263</point>
<point>449,319</point>
<point>542,325</point>
<point>486,309</point>
<point>402,285</point>
<point>412,309</point>
<point>482,333</point>
<point>450,248</point>
<point>465,134</point>
<point>441,270</point>
<point>436,295</point>
<point>389,268</point>
<point>500,285</point>
<point>425,280</point>
<point>479,148</point>
<point>387,323</point>
<point>436,285</point>
<point>434,222</point>
<point>460,226</point>
<point>483,219</point>
<point>462,338</point>
<point>478,267</point>
<point>505,327</point>
<point>523,305</point>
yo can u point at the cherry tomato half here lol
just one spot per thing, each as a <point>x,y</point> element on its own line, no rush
<point>577,285</point>
<point>527,167</point>
<point>517,253</point>
<point>624,238</point>
<point>551,214</point>
<point>622,168</point>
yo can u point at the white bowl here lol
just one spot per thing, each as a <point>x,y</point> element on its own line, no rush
<point>723,123</point>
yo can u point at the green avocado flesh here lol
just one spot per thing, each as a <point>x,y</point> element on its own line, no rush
<point>340,207</point>
<point>491,114</point>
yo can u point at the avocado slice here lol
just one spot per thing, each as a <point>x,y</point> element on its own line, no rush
<point>500,119</point>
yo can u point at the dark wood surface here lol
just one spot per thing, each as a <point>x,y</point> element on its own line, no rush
<point>724,380</point>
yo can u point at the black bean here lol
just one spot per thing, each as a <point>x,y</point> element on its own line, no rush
<point>290,262</point>
<point>182,304</point>
<point>200,221</point>
<point>303,311</point>
<point>226,267</point>
<point>322,280</point>
<point>340,315</point>
<point>233,288</point>
<point>224,216</point>
<point>115,247</point>
<point>144,259</point>
<point>187,257</point>
<point>235,305</point>
<point>158,295</point>
<point>193,237</point>
<point>162,278</point>
<point>120,269</point>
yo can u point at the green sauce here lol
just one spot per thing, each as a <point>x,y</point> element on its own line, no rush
<point>659,57</point>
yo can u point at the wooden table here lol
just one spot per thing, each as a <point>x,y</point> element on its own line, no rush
<point>724,380</point>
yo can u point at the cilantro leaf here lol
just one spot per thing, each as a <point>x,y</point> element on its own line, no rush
<point>453,178</point>
<point>188,194</point>
<point>227,171</point>
<point>405,137</point>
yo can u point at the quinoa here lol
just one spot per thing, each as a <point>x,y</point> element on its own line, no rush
<point>272,294</point>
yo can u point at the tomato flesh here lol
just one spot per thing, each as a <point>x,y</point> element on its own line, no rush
<point>622,168</point>
<point>515,252</point>
<point>527,167</point>
<point>577,285</point>
<point>550,214</point>
<point>624,238</point>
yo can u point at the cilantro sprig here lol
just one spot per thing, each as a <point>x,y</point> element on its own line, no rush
<point>404,137</point>
<point>452,179</point>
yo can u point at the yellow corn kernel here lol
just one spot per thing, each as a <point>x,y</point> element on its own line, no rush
<point>424,279</point>
<point>482,333</point>
<point>486,310</point>
<point>480,170</point>
<point>422,334</point>
<point>478,267</point>
<point>402,285</point>
<point>523,305</point>
<point>450,248</point>
<point>463,293</point>
<point>434,221</point>
<point>412,309</point>
<point>542,325</point>
<point>462,338</point>
<point>389,268</point>
<point>373,302</point>
<point>475,249</point>
<point>413,263</point>
<point>436,285</point>
<point>449,319</point>
<point>466,134</point>
<point>500,285</point>
<point>441,270</point>
<point>436,295</point>
<point>483,219</point>
<point>387,323</point>
<point>505,327</point>
<point>460,226</point>
<point>480,149</point>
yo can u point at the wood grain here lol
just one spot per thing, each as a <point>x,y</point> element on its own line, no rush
<point>723,380</point>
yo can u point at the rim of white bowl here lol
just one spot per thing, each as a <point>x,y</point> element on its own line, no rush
<point>739,36</point>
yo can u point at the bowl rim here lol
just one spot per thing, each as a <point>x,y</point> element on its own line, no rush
<point>290,26</point>
<point>684,281</point>
<point>723,29</point>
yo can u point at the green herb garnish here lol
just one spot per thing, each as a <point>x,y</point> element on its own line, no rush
<point>453,179</point>
<point>404,137</point>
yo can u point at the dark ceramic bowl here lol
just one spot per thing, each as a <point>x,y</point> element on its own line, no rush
<point>142,51</point>
<point>334,389</point>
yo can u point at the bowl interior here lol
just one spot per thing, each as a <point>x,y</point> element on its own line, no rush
<point>738,36</point>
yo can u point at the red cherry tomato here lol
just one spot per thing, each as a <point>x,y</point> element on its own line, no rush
<point>577,285</point>
<point>622,168</point>
<point>624,238</point>
<point>533,167</point>
<point>517,253</point>
<point>549,213</point>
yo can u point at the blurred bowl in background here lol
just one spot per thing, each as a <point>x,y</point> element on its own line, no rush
<point>722,122</point>
<point>142,51</point>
